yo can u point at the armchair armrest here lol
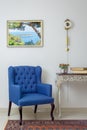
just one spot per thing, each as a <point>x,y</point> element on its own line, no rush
<point>14,93</point>
<point>44,89</point>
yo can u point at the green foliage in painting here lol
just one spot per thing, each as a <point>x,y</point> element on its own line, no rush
<point>14,25</point>
<point>15,40</point>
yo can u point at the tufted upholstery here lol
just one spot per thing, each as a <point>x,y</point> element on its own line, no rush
<point>26,87</point>
<point>26,76</point>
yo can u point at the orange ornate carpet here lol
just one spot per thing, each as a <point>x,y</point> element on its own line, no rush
<point>47,125</point>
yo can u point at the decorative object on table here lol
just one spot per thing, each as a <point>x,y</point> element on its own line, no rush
<point>67,25</point>
<point>64,68</point>
<point>25,33</point>
<point>81,70</point>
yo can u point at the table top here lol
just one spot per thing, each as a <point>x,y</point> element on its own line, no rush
<point>60,74</point>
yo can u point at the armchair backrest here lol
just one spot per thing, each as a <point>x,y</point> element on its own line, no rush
<point>25,76</point>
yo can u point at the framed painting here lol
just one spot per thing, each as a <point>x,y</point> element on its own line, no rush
<point>25,33</point>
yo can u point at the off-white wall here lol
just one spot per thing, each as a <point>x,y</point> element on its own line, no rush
<point>53,13</point>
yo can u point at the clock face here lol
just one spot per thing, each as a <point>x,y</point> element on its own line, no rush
<point>67,24</point>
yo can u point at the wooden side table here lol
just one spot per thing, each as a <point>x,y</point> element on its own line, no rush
<point>65,78</point>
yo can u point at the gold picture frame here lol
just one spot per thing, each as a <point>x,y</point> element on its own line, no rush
<point>25,33</point>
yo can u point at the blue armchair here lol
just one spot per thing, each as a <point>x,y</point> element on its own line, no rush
<point>26,88</point>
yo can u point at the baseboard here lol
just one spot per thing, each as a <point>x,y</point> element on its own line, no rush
<point>41,108</point>
<point>74,109</point>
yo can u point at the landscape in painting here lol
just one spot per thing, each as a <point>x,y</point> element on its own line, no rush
<point>24,33</point>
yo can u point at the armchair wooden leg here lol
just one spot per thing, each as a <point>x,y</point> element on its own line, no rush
<point>20,112</point>
<point>35,110</point>
<point>9,108</point>
<point>52,109</point>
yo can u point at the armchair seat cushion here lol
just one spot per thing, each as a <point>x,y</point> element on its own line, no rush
<point>35,99</point>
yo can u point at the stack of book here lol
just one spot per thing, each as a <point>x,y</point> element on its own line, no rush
<point>82,70</point>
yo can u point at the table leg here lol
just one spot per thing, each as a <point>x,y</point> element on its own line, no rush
<point>59,99</point>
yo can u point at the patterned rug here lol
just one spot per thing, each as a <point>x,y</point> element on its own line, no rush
<point>47,125</point>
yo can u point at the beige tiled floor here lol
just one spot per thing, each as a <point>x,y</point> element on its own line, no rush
<point>42,114</point>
